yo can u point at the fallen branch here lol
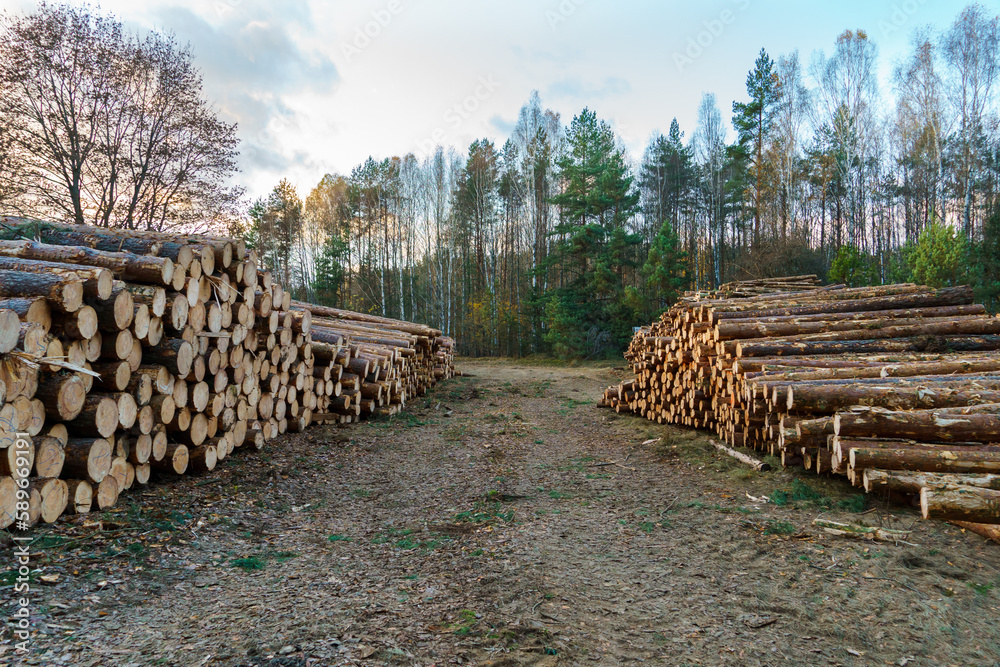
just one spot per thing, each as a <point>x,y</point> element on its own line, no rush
<point>863,532</point>
<point>759,466</point>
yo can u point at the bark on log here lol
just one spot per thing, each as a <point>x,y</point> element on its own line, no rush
<point>911,481</point>
<point>64,293</point>
<point>961,503</point>
<point>929,460</point>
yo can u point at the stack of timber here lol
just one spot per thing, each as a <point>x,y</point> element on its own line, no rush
<point>895,387</point>
<point>761,286</point>
<point>126,354</point>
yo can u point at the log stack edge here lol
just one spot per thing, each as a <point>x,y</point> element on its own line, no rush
<point>895,387</point>
<point>127,354</point>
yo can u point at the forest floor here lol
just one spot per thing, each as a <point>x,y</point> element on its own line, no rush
<point>503,520</point>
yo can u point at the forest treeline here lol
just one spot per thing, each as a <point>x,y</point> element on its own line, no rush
<point>555,239</point>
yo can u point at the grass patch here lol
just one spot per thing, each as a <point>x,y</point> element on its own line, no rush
<point>800,494</point>
<point>339,538</point>
<point>465,622</point>
<point>248,564</point>
<point>775,527</point>
<point>390,534</point>
<point>981,589</point>
<point>485,512</point>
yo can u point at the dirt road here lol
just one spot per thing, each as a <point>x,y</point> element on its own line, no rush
<point>504,520</point>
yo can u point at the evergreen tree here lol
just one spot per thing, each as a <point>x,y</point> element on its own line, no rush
<point>753,121</point>
<point>330,272</point>
<point>593,249</point>
<point>276,222</point>
<point>986,263</point>
<point>940,257</point>
<point>666,178</point>
<point>665,271</point>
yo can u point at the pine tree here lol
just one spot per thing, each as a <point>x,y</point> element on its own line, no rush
<point>330,272</point>
<point>276,222</point>
<point>594,248</point>
<point>753,121</point>
<point>665,271</point>
<point>940,257</point>
<point>666,179</point>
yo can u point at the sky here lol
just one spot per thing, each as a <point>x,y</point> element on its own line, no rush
<point>317,87</point>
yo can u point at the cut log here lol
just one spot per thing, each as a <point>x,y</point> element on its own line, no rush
<point>174,461</point>
<point>942,425</point>
<point>87,458</point>
<point>80,496</point>
<point>99,417</point>
<point>107,493</point>
<point>50,457</point>
<point>961,503</point>
<point>952,460</point>
<point>911,481</point>
<point>64,293</point>
<point>203,458</point>
<point>177,355</point>
<point>54,495</point>
<point>125,266</point>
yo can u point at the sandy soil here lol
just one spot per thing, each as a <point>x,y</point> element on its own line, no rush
<point>504,520</point>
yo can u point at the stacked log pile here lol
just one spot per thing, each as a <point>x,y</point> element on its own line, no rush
<point>895,387</point>
<point>126,354</point>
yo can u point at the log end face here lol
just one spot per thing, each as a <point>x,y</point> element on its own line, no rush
<point>71,397</point>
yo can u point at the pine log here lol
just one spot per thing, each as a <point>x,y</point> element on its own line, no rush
<point>80,496</point>
<point>115,313</point>
<point>953,460</point>
<point>54,496</point>
<point>950,296</point>
<point>831,398</point>
<point>64,293</point>
<point>911,481</point>
<point>106,494</point>
<point>96,281</point>
<point>729,329</point>
<point>203,458</point>
<point>62,395</point>
<point>961,503</point>
<point>99,416</point>
<point>177,355</point>
<point>50,457</point>
<point>125,266</point>
<point>973,424</point>
<point>918,344</point>
<point>174,461</point>
<point>8,501</point>
<point>87,458</point>
<point>30,309</point>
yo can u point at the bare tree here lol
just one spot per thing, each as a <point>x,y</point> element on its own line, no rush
<point>789,121</point>
<point>112,128</point>
<point>709,144</point>
<point>972,56</point>
<point>848,114</point>
<point>921,125</point>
